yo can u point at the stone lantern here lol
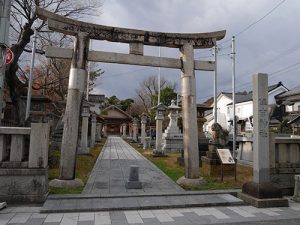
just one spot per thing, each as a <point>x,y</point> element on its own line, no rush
<point>93,130</point>
<point>144,118</point>
<point>172,137</point>
<point>135,129</point>
<point>84,149</point>
<point>160,109</point>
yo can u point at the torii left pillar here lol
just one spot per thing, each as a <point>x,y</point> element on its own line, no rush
<point>76,87</point>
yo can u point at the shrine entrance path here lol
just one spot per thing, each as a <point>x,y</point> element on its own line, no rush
<point>111,171</point>
<point>105,189</point>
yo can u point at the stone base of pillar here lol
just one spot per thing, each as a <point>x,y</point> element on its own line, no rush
<point>296,196</point>
<point>66,183</point>
<point>191,182</point>
<point>262,195</point>
<point>133,185</point>
<point>83,151</point>
<point>158,153</point>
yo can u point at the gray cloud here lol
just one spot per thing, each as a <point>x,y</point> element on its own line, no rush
<point>255,48</point>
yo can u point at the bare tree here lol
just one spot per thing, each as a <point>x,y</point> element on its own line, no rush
<point>149,88</point>
<point>23,20</point>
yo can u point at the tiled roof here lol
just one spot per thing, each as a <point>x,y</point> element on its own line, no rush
<point>293,91</point>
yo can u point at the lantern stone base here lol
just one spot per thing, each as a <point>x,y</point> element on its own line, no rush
<point>83,150</point>
<point>158,153</point>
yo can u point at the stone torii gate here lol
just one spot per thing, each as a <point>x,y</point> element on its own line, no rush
<point>185,42</point>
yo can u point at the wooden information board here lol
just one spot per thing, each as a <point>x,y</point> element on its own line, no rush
<point>225,156</point>
<point>226,159</point>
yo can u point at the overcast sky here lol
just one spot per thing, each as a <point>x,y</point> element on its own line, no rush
<point>270,45</point>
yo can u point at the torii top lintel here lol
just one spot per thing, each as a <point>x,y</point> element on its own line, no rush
<point>116,34</point>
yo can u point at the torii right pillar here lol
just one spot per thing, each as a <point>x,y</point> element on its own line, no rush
<point>189,118</point>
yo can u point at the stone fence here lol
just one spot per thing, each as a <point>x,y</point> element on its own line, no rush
<point>284,162</point>
<point>284,159</point>
<point>24,163</point>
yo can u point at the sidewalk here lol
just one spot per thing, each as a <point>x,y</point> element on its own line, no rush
<point>184,216</point>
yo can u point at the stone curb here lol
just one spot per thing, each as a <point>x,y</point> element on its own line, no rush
<point>233,192</point>
<point>86,205</point>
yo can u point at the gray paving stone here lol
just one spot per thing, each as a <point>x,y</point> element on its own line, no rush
<point>35,221</point>
<point>191,218</point>
<point>86,223</point>
<point>16,223</point>
<point>151,221</point>
<point>51,223</point>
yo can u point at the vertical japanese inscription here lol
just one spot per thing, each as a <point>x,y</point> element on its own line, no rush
<point>263,124</point>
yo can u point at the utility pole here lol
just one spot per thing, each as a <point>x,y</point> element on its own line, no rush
<point>158,99</point>
<point>215,85</point>
<point>233,98</point>
<point>31,76</point>
<point>4,42</point>
<point>89,74</point>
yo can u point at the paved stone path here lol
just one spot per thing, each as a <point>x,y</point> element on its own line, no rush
<point>105,189</point>
<point>112,170</point>
<point>184,216</point>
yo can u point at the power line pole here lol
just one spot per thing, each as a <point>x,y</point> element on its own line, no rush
<point>89,74</point>
<point>158,99</point>
<point>233,98</point>
<point>4,42</point>
<point>31,76</point>
<point>215,85</point>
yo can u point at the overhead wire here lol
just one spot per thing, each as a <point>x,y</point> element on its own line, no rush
<point>251,25</point>
<point>286,69</point>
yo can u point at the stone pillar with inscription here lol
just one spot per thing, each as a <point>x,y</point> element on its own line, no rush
<point>261,192</point>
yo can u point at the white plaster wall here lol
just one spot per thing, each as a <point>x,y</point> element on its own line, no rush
<point>273,93</point>
<point>244,109</point>
<point>222,103</point>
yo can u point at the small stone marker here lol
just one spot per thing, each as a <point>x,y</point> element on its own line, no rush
<point>133,182</point>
